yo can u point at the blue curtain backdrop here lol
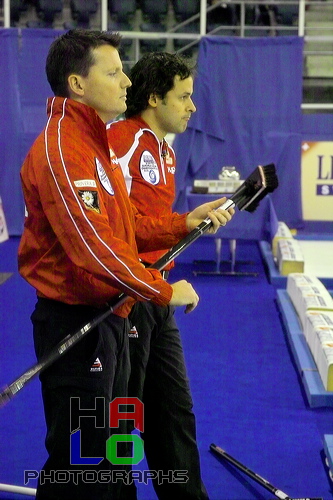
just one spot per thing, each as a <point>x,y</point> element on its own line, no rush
<point>24,90</point>
<point>248,93</point>
<point>10,127</point>
<point>34,87</point>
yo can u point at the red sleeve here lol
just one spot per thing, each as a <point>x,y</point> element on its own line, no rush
<point>96,235</point>
<point>156,234</point>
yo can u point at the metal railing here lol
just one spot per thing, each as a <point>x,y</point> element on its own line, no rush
<point>240,29</point>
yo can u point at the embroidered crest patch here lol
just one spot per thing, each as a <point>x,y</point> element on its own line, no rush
<point>90,199</point>
<point>105,181</point>
<point>149,168</point>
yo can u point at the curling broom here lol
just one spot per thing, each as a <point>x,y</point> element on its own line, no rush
<point>261,181</point>
<point>266,484</point>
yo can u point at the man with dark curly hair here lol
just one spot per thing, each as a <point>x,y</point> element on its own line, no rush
<point>159,102</point>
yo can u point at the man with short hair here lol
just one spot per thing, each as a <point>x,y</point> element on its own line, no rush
<point>79,250</point>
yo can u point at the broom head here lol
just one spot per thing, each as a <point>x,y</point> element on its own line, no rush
<point>261,181</point>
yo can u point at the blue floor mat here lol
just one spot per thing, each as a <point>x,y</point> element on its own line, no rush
<point>248,398</point>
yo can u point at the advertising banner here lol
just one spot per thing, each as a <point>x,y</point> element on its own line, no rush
<point>317,180</point>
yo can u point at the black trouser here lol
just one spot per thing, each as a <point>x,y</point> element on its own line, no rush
<point>97,366</point>
<point>158,377</point>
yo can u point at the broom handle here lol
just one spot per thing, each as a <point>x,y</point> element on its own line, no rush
<point>69,341</point>
<point>190,238</point>
<point>222,453</point>
<point>260,480</point>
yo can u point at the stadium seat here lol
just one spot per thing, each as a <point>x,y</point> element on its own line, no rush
<point>181,43</point>
<point>82,10</point>
<point>184,9</point>
<point>155,45</point>
<point>16,9</point>
<point>46,11</point>
<point>122,10</point>
<point>287,15</point>
<point>118,26</point>
<point>154,11</point>
<point>261,15</point>
<point>221,17</point>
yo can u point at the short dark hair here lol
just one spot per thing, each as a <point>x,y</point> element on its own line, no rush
<point>72,53</point>
<point>154,73</point>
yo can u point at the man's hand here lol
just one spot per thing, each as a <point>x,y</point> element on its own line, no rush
<point>184,295</point>
<point>218,217</point>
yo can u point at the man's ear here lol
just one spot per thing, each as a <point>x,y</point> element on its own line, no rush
<point>152,101</point>
<point>75,85</point>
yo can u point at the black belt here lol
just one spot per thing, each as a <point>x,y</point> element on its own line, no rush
<point>165,274</point>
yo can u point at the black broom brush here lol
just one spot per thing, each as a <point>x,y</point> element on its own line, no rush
<point>262,181</point>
